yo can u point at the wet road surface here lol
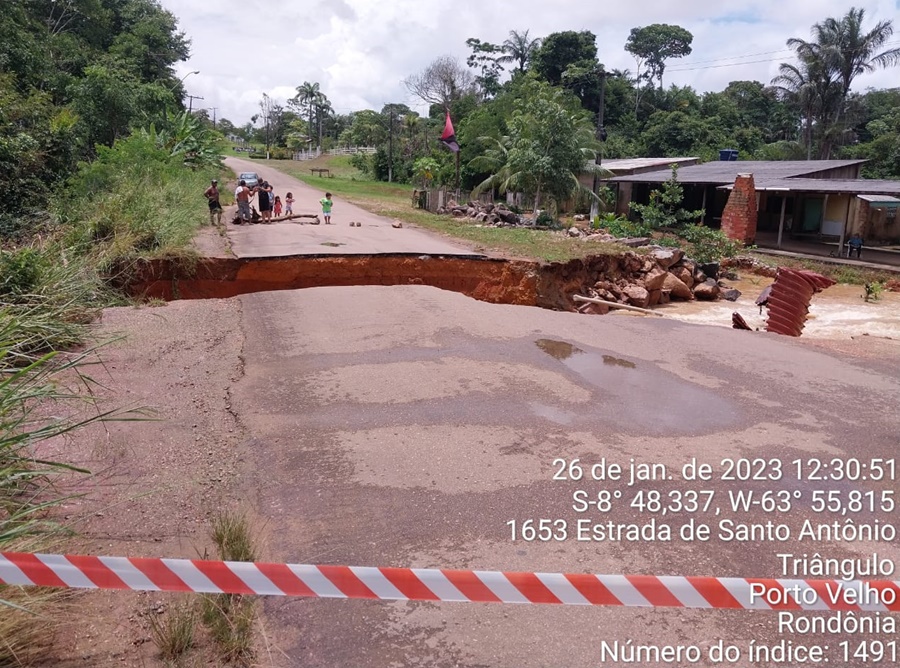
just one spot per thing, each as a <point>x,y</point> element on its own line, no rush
<point>406,426</point>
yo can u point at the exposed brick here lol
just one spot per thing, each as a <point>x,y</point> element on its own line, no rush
<point>739,217</point>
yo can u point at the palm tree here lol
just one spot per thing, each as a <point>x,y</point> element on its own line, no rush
<point>323,109</point>
<point>839,52</point>
<point>849,51</point>
<point>518,49</point>
<point>547,149</point>
<point>811,87</point>
<point>306,96</point>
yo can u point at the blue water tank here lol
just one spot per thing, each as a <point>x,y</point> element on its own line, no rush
<point>728,155</point>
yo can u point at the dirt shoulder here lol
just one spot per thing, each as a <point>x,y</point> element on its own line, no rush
<point>156,484</point>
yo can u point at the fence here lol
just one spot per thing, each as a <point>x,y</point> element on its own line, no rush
<point>432,200</point>
<point>345,150</point>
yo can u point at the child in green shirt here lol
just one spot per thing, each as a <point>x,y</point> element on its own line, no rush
<point>326,207</point>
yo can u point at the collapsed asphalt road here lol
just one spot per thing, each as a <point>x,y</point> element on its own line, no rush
<point>408,426</point>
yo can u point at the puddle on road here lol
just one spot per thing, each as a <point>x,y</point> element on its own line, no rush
<point>552,413</point>
<point>644,395</point>
<point>558,349</point>
<point>618,361</point>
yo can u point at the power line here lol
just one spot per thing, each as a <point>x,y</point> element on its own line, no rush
<point>746,55</point>
<point>713,67</point>
<point>688,67</point>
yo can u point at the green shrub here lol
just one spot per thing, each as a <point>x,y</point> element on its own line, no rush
<point>546,219</point>
<point>618,226</point>
<point>667,242</point>
<point>664,209</point>
<point>137,199</point>
<point>20,272</point>
<point>707,244</point>
<point>362,162</point>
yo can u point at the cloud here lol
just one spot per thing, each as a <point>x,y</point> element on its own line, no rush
<point>359,51</point>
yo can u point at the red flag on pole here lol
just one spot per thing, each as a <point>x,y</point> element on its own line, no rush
<point>448,138</point>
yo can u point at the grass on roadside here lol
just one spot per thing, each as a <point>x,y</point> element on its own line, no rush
<point>394,200</point>
<point>41,399</point>
<point>231,618</point>
<point>47,298</point>
<point>25,631</point>
<point>134,201</point>
<point>173,632</point>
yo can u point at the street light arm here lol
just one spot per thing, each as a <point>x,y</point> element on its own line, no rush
<point>181,80</point>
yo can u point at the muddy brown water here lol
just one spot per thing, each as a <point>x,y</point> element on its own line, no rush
<point>840,312</point>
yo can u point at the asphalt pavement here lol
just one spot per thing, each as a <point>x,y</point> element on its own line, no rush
<point>376,234</point>
<point>408,426</point>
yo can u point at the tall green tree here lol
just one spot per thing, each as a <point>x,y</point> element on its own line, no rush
<point>841,50</point>
<point>305,100</point>
<point>651,47</point>
<point>560,50</point>
<point>486,58</point>
<point>848,50</point>
<point>550,143</point>
<point>519,48</point>
<point>813,90</point>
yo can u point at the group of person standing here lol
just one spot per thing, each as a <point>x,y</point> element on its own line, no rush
<point>268,202</point>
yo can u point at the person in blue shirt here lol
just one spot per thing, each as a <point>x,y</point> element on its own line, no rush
<point>855,243</point>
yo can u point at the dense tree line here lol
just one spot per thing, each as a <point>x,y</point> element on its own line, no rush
<point>74,75</point>
<point>808,111</point>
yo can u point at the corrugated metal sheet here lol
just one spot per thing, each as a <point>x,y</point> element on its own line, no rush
<point>723,172</point>
<point>883,187</point>
<point>790,297</point>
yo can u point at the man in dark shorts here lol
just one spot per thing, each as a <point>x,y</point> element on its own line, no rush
<point>265,204</point>
<point>212,197</point>
<point>243,195</point>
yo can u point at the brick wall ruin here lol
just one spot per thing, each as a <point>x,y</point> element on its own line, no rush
<point>739,216</point>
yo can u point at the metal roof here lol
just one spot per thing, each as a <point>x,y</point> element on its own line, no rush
<point>629,164</point>
<point>851,186</point>
<point>723,172</point>
<point>880,199</point>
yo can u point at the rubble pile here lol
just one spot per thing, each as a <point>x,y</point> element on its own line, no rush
<point>496,215</point>
<point>662,275</point>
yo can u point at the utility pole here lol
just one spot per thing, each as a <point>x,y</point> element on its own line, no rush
<point>191,103</point>
<point>214,116</point>
<point>391,147</point>
<point>601,137</point>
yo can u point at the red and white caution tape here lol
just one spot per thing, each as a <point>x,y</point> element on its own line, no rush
<point>427,584</point>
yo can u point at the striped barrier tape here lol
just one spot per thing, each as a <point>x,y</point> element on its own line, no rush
<point>427,584</point>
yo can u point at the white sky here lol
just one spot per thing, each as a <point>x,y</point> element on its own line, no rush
<point>359,51</point>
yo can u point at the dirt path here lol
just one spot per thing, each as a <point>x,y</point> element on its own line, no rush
<point>376,235</point>
<point>405,426</point>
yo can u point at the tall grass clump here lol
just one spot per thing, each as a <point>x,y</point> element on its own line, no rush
<point>42,398</point>
<point>173,634</point>
<point>230,618</point>
<point>136,200</point>
<point>47,298</point>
